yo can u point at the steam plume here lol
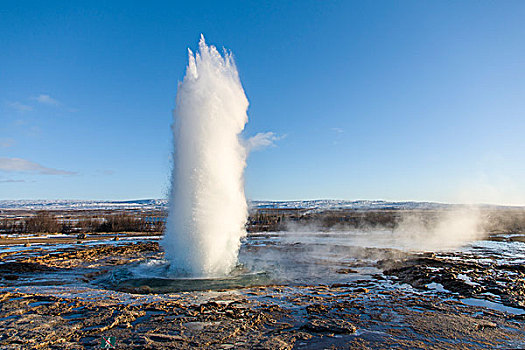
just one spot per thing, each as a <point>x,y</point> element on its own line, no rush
<point>208,208</point>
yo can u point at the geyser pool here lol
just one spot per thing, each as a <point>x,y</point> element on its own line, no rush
<point>208,208</point>
<point>155,277</point>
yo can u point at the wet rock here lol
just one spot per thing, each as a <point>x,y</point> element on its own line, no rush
<point>273,317</point>
<point>466,277</point>
<point>480,325</point>
<point>277,343</point>
<point>116,255</point>
<point>334,326</point>
<point>199,326</point>
<point>11,277</point>
<point>317,308</point>
<point>22,267</point>
<point>157,337</point>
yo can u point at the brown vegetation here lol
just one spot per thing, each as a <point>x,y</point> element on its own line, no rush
<point>69,223</point>
<point>510,220</point>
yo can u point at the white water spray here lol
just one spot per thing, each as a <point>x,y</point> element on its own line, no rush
<point>208,208</point>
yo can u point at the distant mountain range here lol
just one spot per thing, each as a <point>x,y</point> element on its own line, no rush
<point>161,204</point>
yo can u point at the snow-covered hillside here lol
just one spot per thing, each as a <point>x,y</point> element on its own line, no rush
<point>162,204</point>
<point>64,204</point>
<point>323,204</point>
<point>149,204</point>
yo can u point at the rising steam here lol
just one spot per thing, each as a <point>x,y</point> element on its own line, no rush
<point>414,230</point>
<point>208,208</point>
<point>451,228</point>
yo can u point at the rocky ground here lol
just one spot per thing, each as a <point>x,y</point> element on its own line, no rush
<point>50,299</point>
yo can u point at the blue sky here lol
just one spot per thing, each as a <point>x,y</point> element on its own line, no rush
<point>396,100</point>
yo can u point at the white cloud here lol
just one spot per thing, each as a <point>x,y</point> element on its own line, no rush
<point>261,140</point>
<point>23,165</point>
<point>338,130</point>
<point>10,180</point>
<point>20,107</point>
<point>47,100</point>
<point>6,142</point>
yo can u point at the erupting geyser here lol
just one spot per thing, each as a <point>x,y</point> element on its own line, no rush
<point>208,208</point>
